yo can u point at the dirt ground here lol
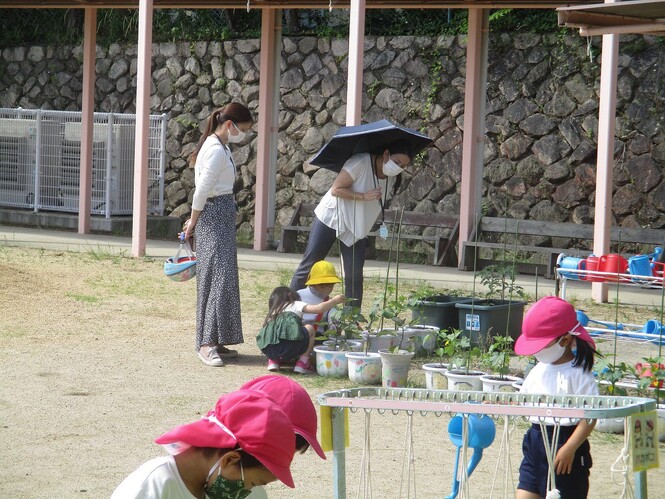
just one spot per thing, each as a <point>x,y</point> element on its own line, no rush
<point>97,359</point>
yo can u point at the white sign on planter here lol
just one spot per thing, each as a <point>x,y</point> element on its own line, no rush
<point>472,322</point>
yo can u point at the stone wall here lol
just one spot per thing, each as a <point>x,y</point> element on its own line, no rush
<point>542,103</point>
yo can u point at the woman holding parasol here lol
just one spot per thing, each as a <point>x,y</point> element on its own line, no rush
<point>366,180</point>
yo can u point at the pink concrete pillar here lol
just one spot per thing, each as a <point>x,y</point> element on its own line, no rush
<point>474,123</point>
<point>268,126</point>
<point>87,119</point>
<point>143,79</point>
<point>605,156</point>
<point>354,87</point>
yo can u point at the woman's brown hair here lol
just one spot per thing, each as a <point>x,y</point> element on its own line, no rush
<point>234,111</point>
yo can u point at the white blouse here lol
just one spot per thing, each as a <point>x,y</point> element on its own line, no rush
<point>353,219</point>
<point>214,172</point>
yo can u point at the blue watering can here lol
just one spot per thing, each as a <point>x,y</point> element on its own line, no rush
<point>564,261</point>
<point>480,435</point>
<point>656,328</point>
<point>583,319</point>
<point>640,265</point>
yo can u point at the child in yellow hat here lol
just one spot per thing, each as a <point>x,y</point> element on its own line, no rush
<point>320,283</point>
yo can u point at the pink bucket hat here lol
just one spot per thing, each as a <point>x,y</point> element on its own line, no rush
<point>244,419</point>
<point>294,401</point>
<point>547,319</point>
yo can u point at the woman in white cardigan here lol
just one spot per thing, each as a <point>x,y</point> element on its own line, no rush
<point>213,224</point>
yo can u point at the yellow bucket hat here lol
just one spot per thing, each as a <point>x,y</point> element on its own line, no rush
<point>322,273</point>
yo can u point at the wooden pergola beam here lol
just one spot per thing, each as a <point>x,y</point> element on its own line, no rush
<point>290,4</point>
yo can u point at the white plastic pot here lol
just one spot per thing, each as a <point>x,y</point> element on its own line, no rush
<point>331,363</point>
<point>493,383</point>
<point>395,370</point>
<point>422,337</point>
<point>459,379</point>
<point>435,376</point>
<point>364,369</point>
<point>351,345</point>
<point>382,341</point>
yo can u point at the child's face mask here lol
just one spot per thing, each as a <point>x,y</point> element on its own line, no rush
<point>551,354</point>
<point>223,488</point>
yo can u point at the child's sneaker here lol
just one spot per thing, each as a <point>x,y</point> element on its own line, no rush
<point>304,367</point>
<point>273,365</point>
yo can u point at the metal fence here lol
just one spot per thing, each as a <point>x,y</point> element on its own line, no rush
<point>40,161</point>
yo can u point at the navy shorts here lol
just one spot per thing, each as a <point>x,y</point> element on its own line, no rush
<point>534,468</point>
<point>288,350</point>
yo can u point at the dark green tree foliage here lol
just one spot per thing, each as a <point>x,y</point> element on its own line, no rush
<point>418,22</point>
<point>65,26</point>
<point>40,26</point>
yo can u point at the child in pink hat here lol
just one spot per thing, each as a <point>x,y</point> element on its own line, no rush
<point>247,440</point>
<point>296,404</point>
<point>565,353</point>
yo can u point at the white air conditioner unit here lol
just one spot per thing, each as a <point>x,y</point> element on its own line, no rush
<point>17,162</point>
<point>112,166</point>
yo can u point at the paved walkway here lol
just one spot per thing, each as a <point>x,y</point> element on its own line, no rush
<point>439,277</point>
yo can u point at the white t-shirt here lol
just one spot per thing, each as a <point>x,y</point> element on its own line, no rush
<point>309,297</point>
<point>353,219</point>
<point>258,492</point>
<point>560,379</point>
<point>214,173</point>
<point>155,479</point>
<point>295,307</point>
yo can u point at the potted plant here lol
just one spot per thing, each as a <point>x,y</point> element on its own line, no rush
<point>420,337</point>
<point>652,384</point>
<point>344,327</point>
<point>461,353</point>
<point>436,309</point>
<point>445,341</point>
<point>395,359</point>
<point>363,366</point>
<point>497,359</point>
<point>498,313</point>
<point>378,336</point>
<point>612,379</point>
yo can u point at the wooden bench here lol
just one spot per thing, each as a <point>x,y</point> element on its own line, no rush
<point>547,238</point>
<point>444,244</point>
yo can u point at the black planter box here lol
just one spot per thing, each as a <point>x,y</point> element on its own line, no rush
<point>481,320</point>
<point>438,310</point>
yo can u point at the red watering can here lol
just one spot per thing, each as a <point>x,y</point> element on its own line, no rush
<point>613,264</point>
<point>591,263</point>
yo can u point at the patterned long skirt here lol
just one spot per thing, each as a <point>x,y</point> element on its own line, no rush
<point>218,320</point>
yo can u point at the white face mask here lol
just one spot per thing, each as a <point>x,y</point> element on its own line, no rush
<point>391,169</point>
<point>551,354</point>
<point>234,139</point>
